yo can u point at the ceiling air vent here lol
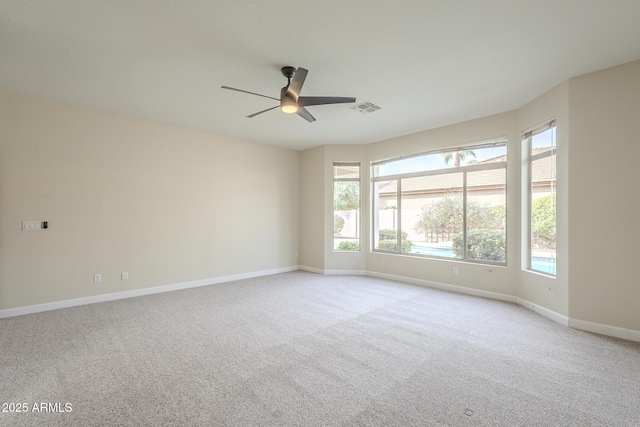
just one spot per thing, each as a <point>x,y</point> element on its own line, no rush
<point>366,107</point>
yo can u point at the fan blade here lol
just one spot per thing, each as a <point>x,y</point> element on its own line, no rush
<point>260,112</point>
<point>305,101</point>
<point>302,112</point>
<point>250,93</point>
<point>296,83</point>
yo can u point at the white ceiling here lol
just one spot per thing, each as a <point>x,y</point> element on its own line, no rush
<point>427,63</point>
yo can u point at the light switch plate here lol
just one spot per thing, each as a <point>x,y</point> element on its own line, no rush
<point>31,225</point>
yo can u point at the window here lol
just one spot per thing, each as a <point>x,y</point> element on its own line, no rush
<point>346,206</point>
<point>446,204</point>
<point>540,144</point>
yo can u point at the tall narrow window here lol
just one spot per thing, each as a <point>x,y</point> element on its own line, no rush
<point>541,147</point>
<point>346,206</point>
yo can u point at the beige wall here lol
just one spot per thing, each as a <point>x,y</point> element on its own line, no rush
<point>548,292</point>
<point>604,201</point>
<point>312,220</point>
<point>166,204</point>
<point>316,241</point>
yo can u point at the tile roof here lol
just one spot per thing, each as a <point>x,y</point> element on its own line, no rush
<point>543,172</point>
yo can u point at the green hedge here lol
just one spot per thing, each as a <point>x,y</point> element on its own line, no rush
<point>389,241</point>
<point>487,245</point>
<point>349,246</point>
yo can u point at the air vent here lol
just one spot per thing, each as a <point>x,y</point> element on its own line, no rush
<point>366,107</point>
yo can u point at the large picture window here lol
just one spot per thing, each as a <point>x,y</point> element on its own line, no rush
<point>540,144</point>
<point>346,206</point>
<point>447,204</point>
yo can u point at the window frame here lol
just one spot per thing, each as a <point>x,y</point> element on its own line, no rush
<point>527,142</point>
<point>398,177</point>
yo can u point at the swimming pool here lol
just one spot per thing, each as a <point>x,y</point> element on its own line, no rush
<point>542,264</point>
<point>433,251</point>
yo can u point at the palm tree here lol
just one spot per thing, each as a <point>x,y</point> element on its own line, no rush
<point>457,157</point>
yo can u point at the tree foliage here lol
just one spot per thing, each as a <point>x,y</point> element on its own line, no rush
<point>346,196</point>
<point>457,156</point>
<point>482,244</point>
<point>444,217</point>
<point>543,222</point>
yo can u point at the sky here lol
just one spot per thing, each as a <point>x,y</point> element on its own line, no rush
<point>435,161</point>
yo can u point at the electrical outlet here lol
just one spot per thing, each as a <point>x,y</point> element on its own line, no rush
<point>455,271</point>
<point>124,275</point>
<point>97,278</point>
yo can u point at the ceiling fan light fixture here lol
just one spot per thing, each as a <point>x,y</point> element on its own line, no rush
<point>290,100</point>
<point>289,109</point>
<point>288,105</point>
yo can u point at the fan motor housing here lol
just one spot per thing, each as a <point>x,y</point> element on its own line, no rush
<point>288,72</point>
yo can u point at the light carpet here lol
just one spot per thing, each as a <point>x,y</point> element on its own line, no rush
<point>311,350</point>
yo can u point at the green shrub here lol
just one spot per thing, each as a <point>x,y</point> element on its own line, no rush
<point>487,245</point>
<point>389,241</point>
<point>349,246</point>
<point>387,234</point>
<point>543,221</point>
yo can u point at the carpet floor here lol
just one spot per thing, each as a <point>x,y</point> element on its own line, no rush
<point>303,349</point>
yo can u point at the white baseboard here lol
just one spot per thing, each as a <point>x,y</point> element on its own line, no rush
<point>332,272</point>
<point>583,325</point>
<point>37,308</point>
<point>599,328</point>
<point>550,314</point>
<point>311,269</point>
<point>344,272</point>
<point>444,286</point>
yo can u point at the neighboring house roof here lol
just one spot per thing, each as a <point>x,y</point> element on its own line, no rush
<point>543,172</point>
<point>544,169</point>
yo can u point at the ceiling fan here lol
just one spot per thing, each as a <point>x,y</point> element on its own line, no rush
<point>290,99</point>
